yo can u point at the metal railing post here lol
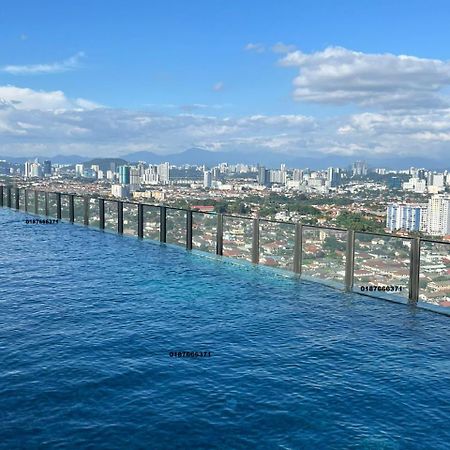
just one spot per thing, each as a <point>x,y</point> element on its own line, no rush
<point>25,200</point>
<point>101,212</point>
<point>36,202</point>
<point>17,199</point>
<point>219,238</point>
<point>1,195</point>
<point>255,242</point>
<point>350,261</point>
<point>46,204</point>
<point>189,230</point>
<point>86,211</point>
<point>414,271</point>
<point>71,208</point>
<point>120,217</point>
<point>162,224</point>
<point>298,248</point>
<point>8,196</point>
<point>140,220</point>
<point>58,206</point>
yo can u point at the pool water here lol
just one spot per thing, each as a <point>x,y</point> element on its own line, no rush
<point>88,321</point>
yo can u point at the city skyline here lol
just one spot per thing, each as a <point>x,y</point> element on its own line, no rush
<point>335,91</point>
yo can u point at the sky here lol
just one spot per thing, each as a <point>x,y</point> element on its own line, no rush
<point>301,78</point>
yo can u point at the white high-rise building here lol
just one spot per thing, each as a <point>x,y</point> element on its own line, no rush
<point>164,173</point>
<point>79,169</point>
<point>207,179</point>
<point>28,167</point>
<point>439,215</point>
<point>407,217</point>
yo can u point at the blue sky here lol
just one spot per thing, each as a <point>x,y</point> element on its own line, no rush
<point>217,59</point>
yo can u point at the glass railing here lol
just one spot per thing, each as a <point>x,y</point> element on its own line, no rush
<point>176,226</point>
<point>41,203</point>
<point>434,279</point>
<point>151,222</point>
<point>22,199</point>
<point>31,203</point>
<point>94,213</point>
<point>382,265</point>
<point>130,219</point>
<point>78,210</point>
<point>391,267</point>
<point>237,237</point>
<point>65,210</point>
<point>111,215</point>
<point>204,232</point>
<point>52,205</point>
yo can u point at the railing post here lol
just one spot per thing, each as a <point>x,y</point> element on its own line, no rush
<point>8,196</point>
<point>298,248</point>
<point>36,202</point>
<point>71,208</point>
<point>414,271</point>
<point>25,200</point>
<point>86,211</point>
<point>101,212</point>
<point>350,261</point>
<point>119,217</point>
<point>255,242</point>
<point>140,220</point>
<point>219,239</point>
<point>58,206</point>
<point>189,230</point>
<point>1,195</point>
<point>163,224</point>
<point>46,204</point>
<point>17,199</point>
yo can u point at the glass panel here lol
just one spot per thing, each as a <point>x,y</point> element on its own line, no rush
<point>204,232</point>
<point>276,244</point>
<point>65,215</point>
<point>323,254</point>
<point>176,226</point>
<point>382,265</point>
<point>111,216</point>
<point>78,208</point>
<point>151,222</point>
<point>435,274</point>
<point>41,203</point>
<point>94,213</point>
<point>130,219</point>
<point>13,197</point>
<point>31,201</point>
<point>5,194</point>
<point>22,199</point>
<point>237,237</point>
<point>52,203</point>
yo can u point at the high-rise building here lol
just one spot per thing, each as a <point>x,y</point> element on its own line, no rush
<point>27,169</point>
<point>124,174</point>
<point>406,217</point>
<point>359,169</point>
<point>79,169</point>
<point>207,179</point>
<point>164,173</point>
<point>439,215</point>
<point>263,176</point>
<point>297,175</point>
<point>47,168</point>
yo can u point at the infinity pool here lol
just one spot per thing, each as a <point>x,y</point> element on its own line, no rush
<point>88,321</point>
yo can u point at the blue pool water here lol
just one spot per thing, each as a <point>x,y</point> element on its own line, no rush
<point>87,321</point>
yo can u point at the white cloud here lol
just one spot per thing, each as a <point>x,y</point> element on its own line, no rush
<point>48,122</point>
<point>280,47</point>
<point>340,76</point>
<point>217,87</point>
<point>34,69</point>
<point>255,47</point>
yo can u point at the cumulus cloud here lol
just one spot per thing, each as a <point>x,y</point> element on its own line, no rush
<point>35,69</point>
<point>340,76</point>
<point>49,122</point>
<point>255,47</point>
